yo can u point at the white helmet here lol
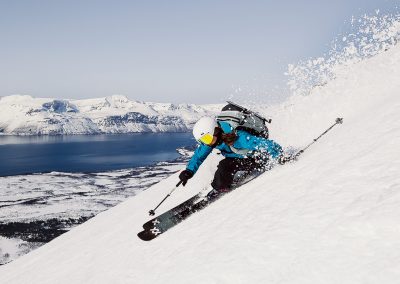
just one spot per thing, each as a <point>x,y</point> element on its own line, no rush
<point>205,125</point>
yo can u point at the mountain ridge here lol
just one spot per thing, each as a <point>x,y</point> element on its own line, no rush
<point>25,115</point>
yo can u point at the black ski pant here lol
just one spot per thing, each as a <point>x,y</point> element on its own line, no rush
<point>228,167</point>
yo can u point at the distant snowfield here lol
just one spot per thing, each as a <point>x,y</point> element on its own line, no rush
<point>36,208</point>
<point>24,115</point>
<point>331,217</point>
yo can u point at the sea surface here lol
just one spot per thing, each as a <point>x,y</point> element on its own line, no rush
<point>87,153</point>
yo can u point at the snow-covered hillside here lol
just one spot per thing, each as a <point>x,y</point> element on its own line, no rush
<point>331,217</point>
<point>36,208</point>
<point>24,115</point>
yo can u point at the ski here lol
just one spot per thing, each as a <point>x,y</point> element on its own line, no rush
<point>149,224</point>
<point>160,224</point>
<point>169,219</point>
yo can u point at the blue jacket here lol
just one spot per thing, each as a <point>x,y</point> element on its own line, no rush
<point>245,145</point>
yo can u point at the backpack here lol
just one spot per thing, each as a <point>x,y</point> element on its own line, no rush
<point>241,118</point>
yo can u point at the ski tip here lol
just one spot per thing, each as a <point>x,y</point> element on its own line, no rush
<point>146,235</point>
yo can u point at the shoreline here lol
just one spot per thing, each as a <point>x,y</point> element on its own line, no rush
<point>37,208</point>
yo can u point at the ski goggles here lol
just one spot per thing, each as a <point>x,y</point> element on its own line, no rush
<point>207,139</point>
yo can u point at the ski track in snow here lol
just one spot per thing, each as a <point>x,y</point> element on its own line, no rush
<point>331,217</point>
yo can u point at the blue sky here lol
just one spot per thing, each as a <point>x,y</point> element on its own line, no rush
<point>165,51</point>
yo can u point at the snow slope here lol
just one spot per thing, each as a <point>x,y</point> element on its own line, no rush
<point>36,208</point>
<point>332,217</point>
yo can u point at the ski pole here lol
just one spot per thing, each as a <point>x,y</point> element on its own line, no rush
<point>152,212</point>
<point>338,121</point>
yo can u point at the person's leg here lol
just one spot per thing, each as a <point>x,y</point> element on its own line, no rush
<point>228,167</point>
<point>245,167</point>
<point>225,172</point>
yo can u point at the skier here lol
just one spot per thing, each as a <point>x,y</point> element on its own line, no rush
<point>242,151</point>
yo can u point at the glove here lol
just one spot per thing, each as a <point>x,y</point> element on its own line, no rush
<point>185,175</point>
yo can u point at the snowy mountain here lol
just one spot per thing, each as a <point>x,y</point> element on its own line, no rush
<point>24,115</point>
<point>331,217</point>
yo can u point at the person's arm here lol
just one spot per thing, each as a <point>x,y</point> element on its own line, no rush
<point>200,154</point>
<point>197,159</point>
<point>256,143</point>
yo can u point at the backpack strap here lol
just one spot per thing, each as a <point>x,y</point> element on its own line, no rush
<point>243,152</point>
<point>231,117</point>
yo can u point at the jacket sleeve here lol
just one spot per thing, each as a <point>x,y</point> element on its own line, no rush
<point>259,144</point>
<point>200,154</point>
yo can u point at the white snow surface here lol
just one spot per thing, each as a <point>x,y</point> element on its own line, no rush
<point>331,217</point>
<point>25,115</point>
<point>61,201</point>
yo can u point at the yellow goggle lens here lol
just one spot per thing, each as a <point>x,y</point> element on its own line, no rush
<point>207,139</point>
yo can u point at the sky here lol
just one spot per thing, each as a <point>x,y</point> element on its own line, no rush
<point>166,51</point>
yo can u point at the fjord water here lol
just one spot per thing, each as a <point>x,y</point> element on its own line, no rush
<point>87,153</point>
